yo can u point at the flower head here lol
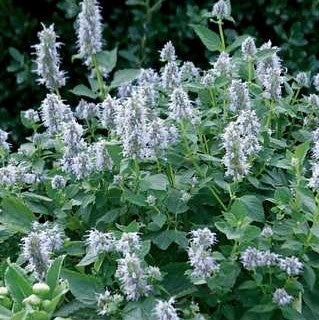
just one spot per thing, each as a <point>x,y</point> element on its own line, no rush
<point>167,54</point>
<point>221,9</point>
<point>165,310</point>
<point>89,30</point>
<point>248,48</point>
<point>48,59</point>
<point>281,297</point>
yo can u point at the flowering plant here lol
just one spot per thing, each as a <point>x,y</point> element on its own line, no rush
<point>173,194</point>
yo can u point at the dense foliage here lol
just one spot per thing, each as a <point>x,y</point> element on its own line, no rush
<point>142,30</point>
<point>165,193</point>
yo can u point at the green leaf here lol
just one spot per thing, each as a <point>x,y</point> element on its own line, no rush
<point>5,314</point>
<point>107,59</point>
<point>17,283</point>
<point>251,206</point>
<point>154,182</point>
<point>83,287</point>
<point>301,151</point>
<point>82,90</point>
<point>53,274</point>
<point>237,43</point>
<point>165,238</point>
<point>209,38</point>
<point>175,203</point>
<point>141,310</point>
<point>124,76</point>
<point>15,215</point>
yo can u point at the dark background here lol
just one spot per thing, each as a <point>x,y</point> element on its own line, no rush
<point>292,25</point>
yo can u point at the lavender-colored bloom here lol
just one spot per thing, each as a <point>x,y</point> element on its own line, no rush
<point>86,110</point>
<point>291,265</point>
<point>314,180</point>
<point>240,141</point>
<point>54,113</point>
<point>107,111</point>
<point>302,79</point>
<point>165,310</point>
<point>148,76</point>
<point>316,81</point>
<point>269,72</point>
<point>281,297</point>
<point>313,99</point>
<point>199,253</point>
<point>128,243</point>
<point>180,106</point>
<point>150,94</point>
<point>125,91</point>
<point>101,156</point>
<point>248,48</point>
<point>132,127</point>
<point>238,96</point>
<point>167,54</point>
<point>221,9</point>
<point>32,115</point>
<point>223,67</point>
<point>208,79</point>
<point>73,136</point>
<point>98,242</point>
<point>202,262</point>
<point>58,182</point>
<point>14,174</point>
<point>203,238</point>
<point>250,258</point>
<point>133,279</point>
<point>39,245</point>
<point>89,30</point>
<point>170,76</point>
<point>188,71</point>
<point>267,232</point>
<point>48,59</point>
<point>3,140</point>
<point>108,304</point>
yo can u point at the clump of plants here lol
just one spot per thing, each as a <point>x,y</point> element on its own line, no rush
<point>168,194</point>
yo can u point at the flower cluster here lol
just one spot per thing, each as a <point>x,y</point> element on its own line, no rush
<point>39,245</point>
<point>240,141</point>
<point>200,254</point>
<point>252,258</point>
<point>48,59</point>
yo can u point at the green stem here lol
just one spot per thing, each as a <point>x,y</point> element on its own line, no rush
<point>214,193</point>
<point>213,97</point>
<point>221,34</point>
<point>250,71</point>
<point>102,90</point>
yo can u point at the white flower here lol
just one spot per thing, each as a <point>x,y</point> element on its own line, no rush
<point>316,81</point>
<point>58,182</point>
<point>89,30</point>
<point>291,265</point>
<point>32,115</point>
<point>167,54</point>
<point>221,9</point>
<point>107,111</point>
<point>128,243</point>
<point>238,96</point>
<point>48,59</point>
<point>54,113</point>
<point>39,245</point>
<point>3,140</point>
<point>108,304</point>
<point>170,76</point>
<point>98,241</point>
<point>302,79</point>
<point>181,107</point>
<point>164,310</point>
<point>133,278</point>
<point>86,110</point>
<point>248,48</point>
<point>281,297</point>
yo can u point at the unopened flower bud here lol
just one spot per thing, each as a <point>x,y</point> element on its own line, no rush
<point>41,289</point>
<point>32,300</point>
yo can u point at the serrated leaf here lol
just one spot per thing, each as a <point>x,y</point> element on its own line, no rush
<point>15,215</point>
<point>124,76</point>
<point>209,38</point>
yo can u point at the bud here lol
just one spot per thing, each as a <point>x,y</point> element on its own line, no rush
<point>47,305</point>
<point>41,289</point>
<point>39,315</point>
<point>32,300</point>
<point>3,291</point>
